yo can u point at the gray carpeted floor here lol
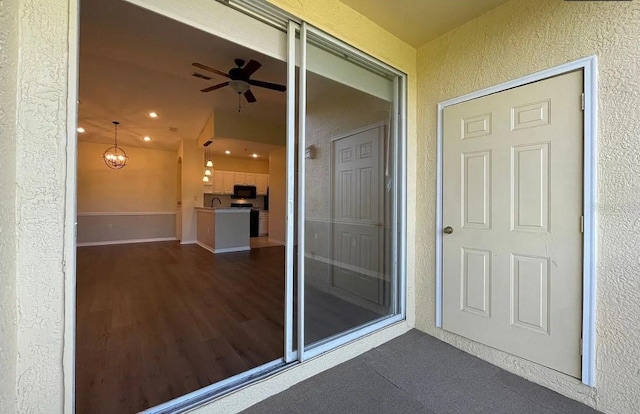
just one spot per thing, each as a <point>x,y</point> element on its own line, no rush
<point>416,373</point>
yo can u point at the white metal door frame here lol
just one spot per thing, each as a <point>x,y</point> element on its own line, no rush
<point>589,67</point>
<point>197,17</point>
<point>399,204</point>
<point>289,353</point>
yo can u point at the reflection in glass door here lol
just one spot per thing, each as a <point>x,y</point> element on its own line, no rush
<point>348,190</point>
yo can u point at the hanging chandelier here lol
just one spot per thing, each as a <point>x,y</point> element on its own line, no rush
<point>208,164</point>
<point>115,157</point>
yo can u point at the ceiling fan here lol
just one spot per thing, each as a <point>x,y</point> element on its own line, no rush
<point>240,79</point>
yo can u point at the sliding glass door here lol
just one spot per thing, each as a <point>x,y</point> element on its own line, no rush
<point>348,193</point>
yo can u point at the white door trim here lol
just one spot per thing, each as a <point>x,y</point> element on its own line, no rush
<point>589,67</point>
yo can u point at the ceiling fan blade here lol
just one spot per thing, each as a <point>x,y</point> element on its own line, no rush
<point>249,95</point>
<point>251,67</point>
<point>214,87</point>
<point>268,85</point>
<point>205,67</point>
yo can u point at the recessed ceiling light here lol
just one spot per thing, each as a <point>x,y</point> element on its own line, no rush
<point>153,115</point>
<point>227,152</point>
<point>147,139</point>
<point>255,155</point>
<point>80,130</point>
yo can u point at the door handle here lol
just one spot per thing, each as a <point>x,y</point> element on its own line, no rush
<point>448,230</point>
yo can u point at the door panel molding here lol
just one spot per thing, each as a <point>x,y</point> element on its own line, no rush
<point>589,67</point>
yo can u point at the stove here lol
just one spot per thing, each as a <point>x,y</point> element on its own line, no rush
<point>241,205</point>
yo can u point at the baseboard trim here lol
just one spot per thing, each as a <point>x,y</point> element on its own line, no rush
<point>188,242</point>
<point>106,243</point>
<point>280,242</point>
<point>204,246</point>
<point>232,249</point>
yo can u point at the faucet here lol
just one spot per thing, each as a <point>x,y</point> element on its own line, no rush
<point>214,199</point>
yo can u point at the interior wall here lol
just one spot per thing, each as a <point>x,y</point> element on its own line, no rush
<point>146,184</point>
<point>258,166</point>
<point>8,335</point>
<point>192,193</point>
<point>516,39</point>
<point>135,203</point>
<point>278,195</point>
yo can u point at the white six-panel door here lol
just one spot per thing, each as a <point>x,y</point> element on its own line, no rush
<point>512,205</point>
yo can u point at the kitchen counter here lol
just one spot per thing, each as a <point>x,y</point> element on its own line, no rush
<point>223,209</point>
<point>223,229</point>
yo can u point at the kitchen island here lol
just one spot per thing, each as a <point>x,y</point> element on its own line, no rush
<point>222,230</point>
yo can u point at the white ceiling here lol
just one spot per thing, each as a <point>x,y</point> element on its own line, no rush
<point>133,61</point>
<point>419,21</point>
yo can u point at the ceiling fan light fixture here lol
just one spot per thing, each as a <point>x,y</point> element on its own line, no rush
<point>239,86</point>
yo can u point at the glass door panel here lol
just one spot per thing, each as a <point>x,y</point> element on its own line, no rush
<point>347,157</point>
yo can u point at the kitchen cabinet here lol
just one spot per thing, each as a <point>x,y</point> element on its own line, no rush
<point>250,179</point>
<point>261,183</point>
<point>222,182</point>
<point>238,178</point>
<point>217,186</point>
<point>263,223</point>
<point>245,178</point>
<point>228,181</point>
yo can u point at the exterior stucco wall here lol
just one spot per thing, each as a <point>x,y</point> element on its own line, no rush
<point>41,154</point>
<point>516,39</point>
<point>8,82</point>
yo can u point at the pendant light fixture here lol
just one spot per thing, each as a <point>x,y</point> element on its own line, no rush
<point>209,164</point>
<point>115,157</point>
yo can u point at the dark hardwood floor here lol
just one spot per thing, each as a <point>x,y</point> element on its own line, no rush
<point>158,320</point>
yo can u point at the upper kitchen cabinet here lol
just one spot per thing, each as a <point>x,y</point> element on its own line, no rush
<point>250,179</point>
<point>228,181</point>
<point>222,182</point>
<point>217,184</point>
<point>245,178</point>
<point>261,183</point>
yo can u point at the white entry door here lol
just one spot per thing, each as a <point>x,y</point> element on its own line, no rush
<point>356,208</point>
<point>512,206</point>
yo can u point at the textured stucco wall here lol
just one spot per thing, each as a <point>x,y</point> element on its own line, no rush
<point>8,82</point>
<point>40,174</point>
<point>516,39</point>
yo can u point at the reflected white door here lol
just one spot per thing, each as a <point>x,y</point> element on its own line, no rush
<point>356,206</point>
<point>512,195</point>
